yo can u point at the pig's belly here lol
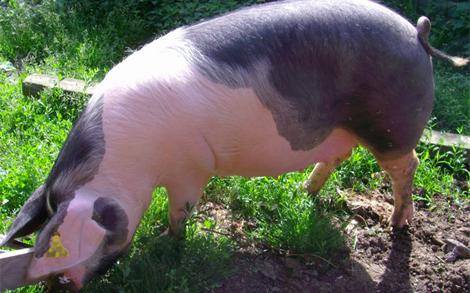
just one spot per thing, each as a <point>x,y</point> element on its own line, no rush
<point>274,156</point>
<point>245,141</point>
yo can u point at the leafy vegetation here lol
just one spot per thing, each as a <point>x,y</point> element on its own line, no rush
<point>83,39</point>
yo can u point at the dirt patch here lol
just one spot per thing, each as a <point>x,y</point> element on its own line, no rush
<point>416,259</point>
<point>421,258</point>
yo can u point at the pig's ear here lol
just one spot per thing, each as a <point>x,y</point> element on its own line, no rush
<point>70,238</point>
<point>31,217</point>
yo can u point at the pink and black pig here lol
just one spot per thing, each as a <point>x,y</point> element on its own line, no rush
<point>260,91</point>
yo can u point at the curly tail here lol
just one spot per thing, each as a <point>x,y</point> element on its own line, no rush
<point>424,28</point>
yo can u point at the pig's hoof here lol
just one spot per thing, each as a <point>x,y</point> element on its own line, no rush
<point>402,217</point>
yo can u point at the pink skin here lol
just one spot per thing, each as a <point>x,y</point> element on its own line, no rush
<point>79,234</point>
<point>166,125</point>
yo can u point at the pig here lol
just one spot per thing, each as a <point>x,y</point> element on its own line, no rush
<point>260,91</point>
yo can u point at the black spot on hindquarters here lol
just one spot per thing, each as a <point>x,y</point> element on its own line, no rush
<point>275,51</point>
<point>308,60</point>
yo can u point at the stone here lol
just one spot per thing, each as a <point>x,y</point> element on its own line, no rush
<point>35,83</point>
<point>91,89</point>
<point>447,141</point>
<point>72,85</point>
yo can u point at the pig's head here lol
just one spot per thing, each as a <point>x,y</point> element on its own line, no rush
<point>80,237</point>
<point>81,231</point>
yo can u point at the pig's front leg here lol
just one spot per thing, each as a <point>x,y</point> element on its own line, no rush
<point>321,172</point>
<point>183,196</point>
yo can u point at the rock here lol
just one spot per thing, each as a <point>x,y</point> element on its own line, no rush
<point>72,85</point>
<point>35,83</point>
<point>7,67</point>
<point>457,250</point>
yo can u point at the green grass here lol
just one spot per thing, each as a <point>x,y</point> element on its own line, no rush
<point>452,102</point>
<point>165,264</point>
<point>284,216</point>
<point>64,38</point>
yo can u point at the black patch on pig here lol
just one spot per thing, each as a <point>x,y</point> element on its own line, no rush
<point>80,156</point>
<point>111,216</point>
<point>77,164</point>
<point>31,217</point>
<point>43,239</point>
<point>318,65</point>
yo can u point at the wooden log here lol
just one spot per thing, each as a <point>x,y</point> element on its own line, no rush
<point>14,267</point>
<point>446,139</point>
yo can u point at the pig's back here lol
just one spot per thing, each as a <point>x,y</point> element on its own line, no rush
<point>318,65</point>
<point>295,92</point>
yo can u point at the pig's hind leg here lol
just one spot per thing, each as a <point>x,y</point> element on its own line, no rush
<point>401,170</point>
<point>393,148</point>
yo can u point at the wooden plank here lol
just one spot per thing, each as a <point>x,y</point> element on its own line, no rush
<point>14,267</point>
<point>15,244</point>
<point>447,141</point>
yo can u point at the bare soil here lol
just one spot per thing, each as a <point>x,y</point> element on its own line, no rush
<point>377,259</point>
